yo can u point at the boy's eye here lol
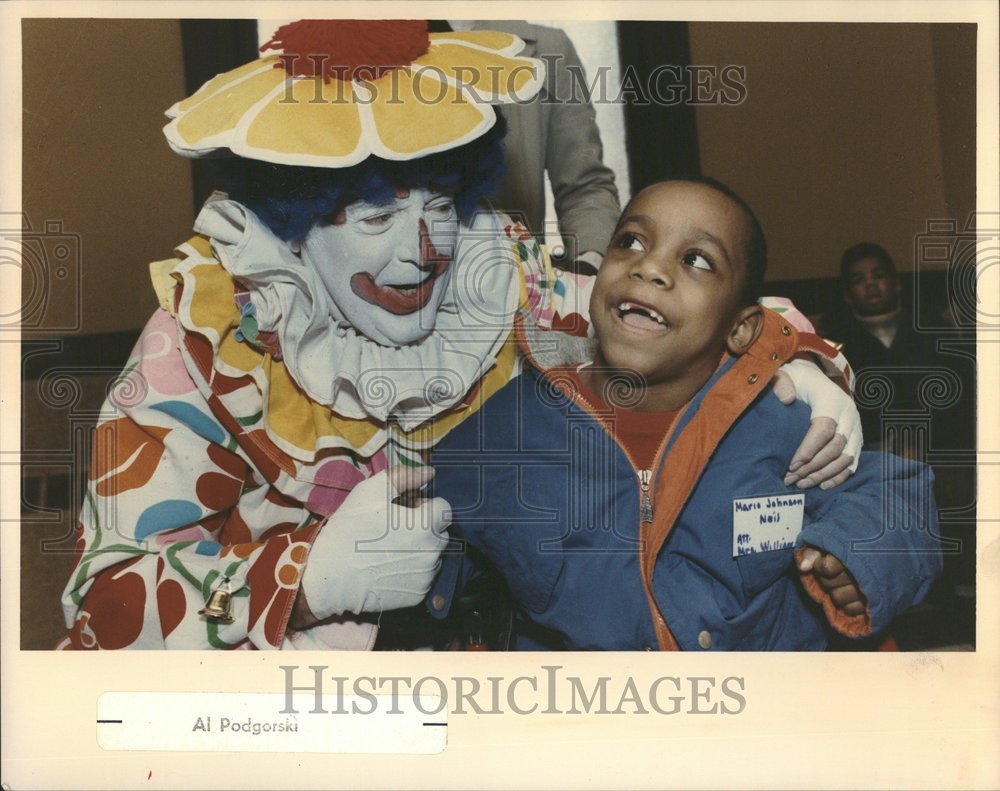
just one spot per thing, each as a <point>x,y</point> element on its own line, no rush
<point>629,241</point>
<point>697,261</point>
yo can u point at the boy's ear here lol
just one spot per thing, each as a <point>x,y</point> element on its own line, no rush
<point>746,328</point>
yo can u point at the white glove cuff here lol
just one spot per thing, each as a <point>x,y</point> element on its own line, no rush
<point>334,580</point>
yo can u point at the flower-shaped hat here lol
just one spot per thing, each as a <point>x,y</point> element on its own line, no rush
<point>342,90</point>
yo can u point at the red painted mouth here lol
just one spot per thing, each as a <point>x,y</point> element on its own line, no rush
<point>403,302</point>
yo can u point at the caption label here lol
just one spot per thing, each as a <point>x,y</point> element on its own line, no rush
<point>254,722</point>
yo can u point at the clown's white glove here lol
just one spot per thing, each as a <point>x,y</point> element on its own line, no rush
<point>374,554</point>
<point>831,449</point>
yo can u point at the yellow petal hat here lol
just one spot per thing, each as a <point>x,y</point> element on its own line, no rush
<point>343,90</point>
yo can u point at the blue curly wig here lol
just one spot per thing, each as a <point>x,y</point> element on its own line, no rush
<point>291,199</point>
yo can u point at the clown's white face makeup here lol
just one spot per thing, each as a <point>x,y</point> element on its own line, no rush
<point>386,268</point>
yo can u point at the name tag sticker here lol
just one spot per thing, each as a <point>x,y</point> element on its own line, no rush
<point>764,524</point>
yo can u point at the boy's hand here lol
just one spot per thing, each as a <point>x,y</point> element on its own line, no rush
<point>834,578</point>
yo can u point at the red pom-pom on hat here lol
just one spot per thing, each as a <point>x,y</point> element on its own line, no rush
<point>348,49</point>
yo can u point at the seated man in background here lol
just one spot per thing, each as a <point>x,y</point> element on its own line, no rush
<point>916,395</point>
<point>879,334</point>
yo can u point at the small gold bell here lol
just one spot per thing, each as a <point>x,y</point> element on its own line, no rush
<point>219,607</point>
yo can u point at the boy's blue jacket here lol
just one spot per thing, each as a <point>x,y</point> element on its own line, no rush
<point>540,487</point>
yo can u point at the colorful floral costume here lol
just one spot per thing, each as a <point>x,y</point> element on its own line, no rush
<point>219,465</point>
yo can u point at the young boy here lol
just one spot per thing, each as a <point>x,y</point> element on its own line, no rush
<point>639,501</point>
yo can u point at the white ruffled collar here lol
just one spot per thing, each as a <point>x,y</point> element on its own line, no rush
<point>347,372</point>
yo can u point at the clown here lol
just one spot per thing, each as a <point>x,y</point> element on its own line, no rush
<point>342,306</point>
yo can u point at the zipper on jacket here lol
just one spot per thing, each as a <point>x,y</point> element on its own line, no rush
<point>645,476</point>
<point>645,490</point>
<point>645,504</point>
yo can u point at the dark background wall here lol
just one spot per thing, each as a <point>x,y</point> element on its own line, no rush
<point>848,132</point>
<point>98,178</point>
<point>95,159</point>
